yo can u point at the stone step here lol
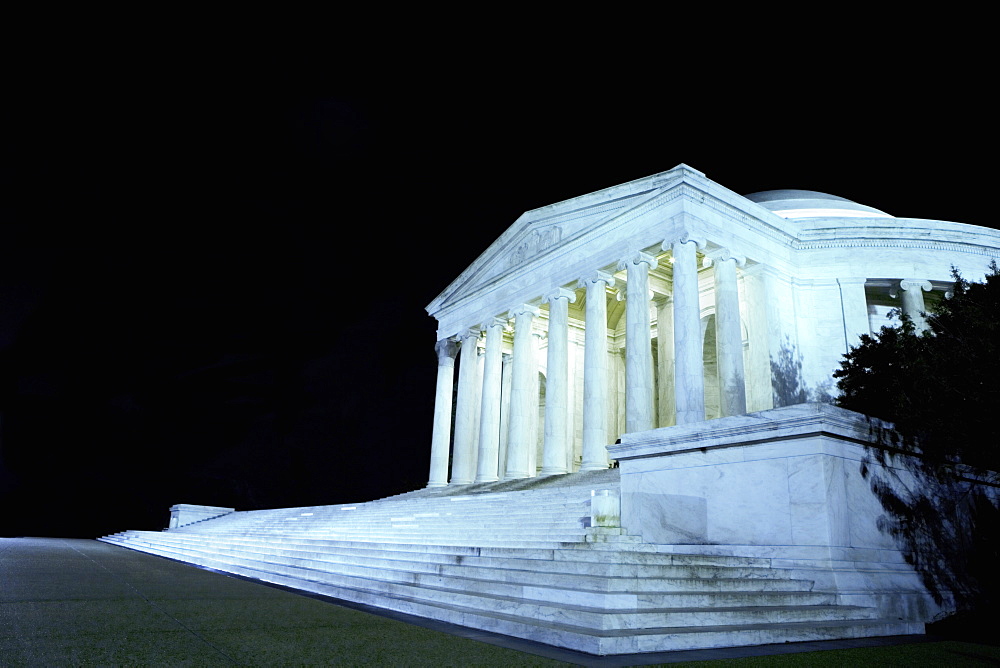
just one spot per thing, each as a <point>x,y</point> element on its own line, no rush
<point>465,551</point>
<point>598,641</point>
<point>627,556</point>
<point>458,564</point>
<point>585,590</point>
<point>575,521</point>
<point>552,542</point>
<point>455,528</point>
<point>519,558</point>
<point>455,505</point>
<point>496,503</point>
<point>542,561</point>
<point>454,524</point>
<point>417,505</point>
<point>575,613</point>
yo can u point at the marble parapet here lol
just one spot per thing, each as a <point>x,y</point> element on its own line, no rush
<point>786,476</point>
<point>799,421</point>
<point>784,484</point>
<point>183,514</point>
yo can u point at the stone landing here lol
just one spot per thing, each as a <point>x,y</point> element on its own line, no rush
<point>520,558</point>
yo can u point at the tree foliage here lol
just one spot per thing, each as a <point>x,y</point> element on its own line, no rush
<point>940,391</point>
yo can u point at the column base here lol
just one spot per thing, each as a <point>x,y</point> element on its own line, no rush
<point>552,472</point>
<point>479,480</point>
<point>594,467</point>
<point>436,484</point>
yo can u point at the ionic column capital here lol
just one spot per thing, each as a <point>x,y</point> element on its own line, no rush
<point>446,351</point>
<point>722,254</point>
<point>636,259</point>
<point>662,300</point>
<point>496,321</point>
<point>561,293</point>
<point>471,333</point>
<point>915,284</point>
<point>522,309</point>
<point>668,244</point>
<point>912,285</point>
<point>597,277</point>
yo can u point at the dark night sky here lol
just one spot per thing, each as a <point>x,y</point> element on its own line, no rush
<point>213,275</point>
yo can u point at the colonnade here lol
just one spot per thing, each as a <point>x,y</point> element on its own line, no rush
<point>475,457</point>
<point>496,431</point>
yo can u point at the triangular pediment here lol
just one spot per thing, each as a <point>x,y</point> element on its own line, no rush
<point>541,230</point>
<point>555,245</point>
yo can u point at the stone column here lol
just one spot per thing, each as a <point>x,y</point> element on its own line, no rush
<point>557,386</point>
<point>523,401</point>
<point>463,460</point>
<point>441,435</point>
<point>665,361</point>
<point>689,381</point>
<point>534,452</point>
<point>504,412</point>
<point>783,354</point>
<point>753,306</point>
<point>595,373</point>
<point>854,305</point>
<point>638,354</point>
<point>728,334</point>
<point>489,421</point>
<point>913,290</point>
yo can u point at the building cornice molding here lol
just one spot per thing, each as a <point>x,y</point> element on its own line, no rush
<point>557,244</point>
<point>908,244</point>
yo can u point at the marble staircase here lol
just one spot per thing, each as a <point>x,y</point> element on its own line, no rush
<point>519,558</point>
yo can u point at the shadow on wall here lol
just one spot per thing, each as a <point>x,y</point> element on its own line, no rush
<point>946,524</point>
<point>787,384</point>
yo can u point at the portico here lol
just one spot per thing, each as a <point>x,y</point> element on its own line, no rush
<point>667,300</point>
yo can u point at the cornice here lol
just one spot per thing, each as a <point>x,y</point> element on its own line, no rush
<point>564,237</point>
<point>589,209</point>
<point>898,233</point>
<point>909,244</point>
<point>763,222</point>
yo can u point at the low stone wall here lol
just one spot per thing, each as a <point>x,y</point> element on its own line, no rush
<point>783,484</point>
<point>185,513</point>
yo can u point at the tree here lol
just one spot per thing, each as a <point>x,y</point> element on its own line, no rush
<point>939,392</point>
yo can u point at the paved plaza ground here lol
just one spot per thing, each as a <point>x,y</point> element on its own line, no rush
<point>73,602</point>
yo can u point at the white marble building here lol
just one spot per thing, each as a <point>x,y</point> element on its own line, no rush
<point>699,327</point>
<point>665,301</point>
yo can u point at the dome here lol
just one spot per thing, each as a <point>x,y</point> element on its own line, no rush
<point>812,204</point>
